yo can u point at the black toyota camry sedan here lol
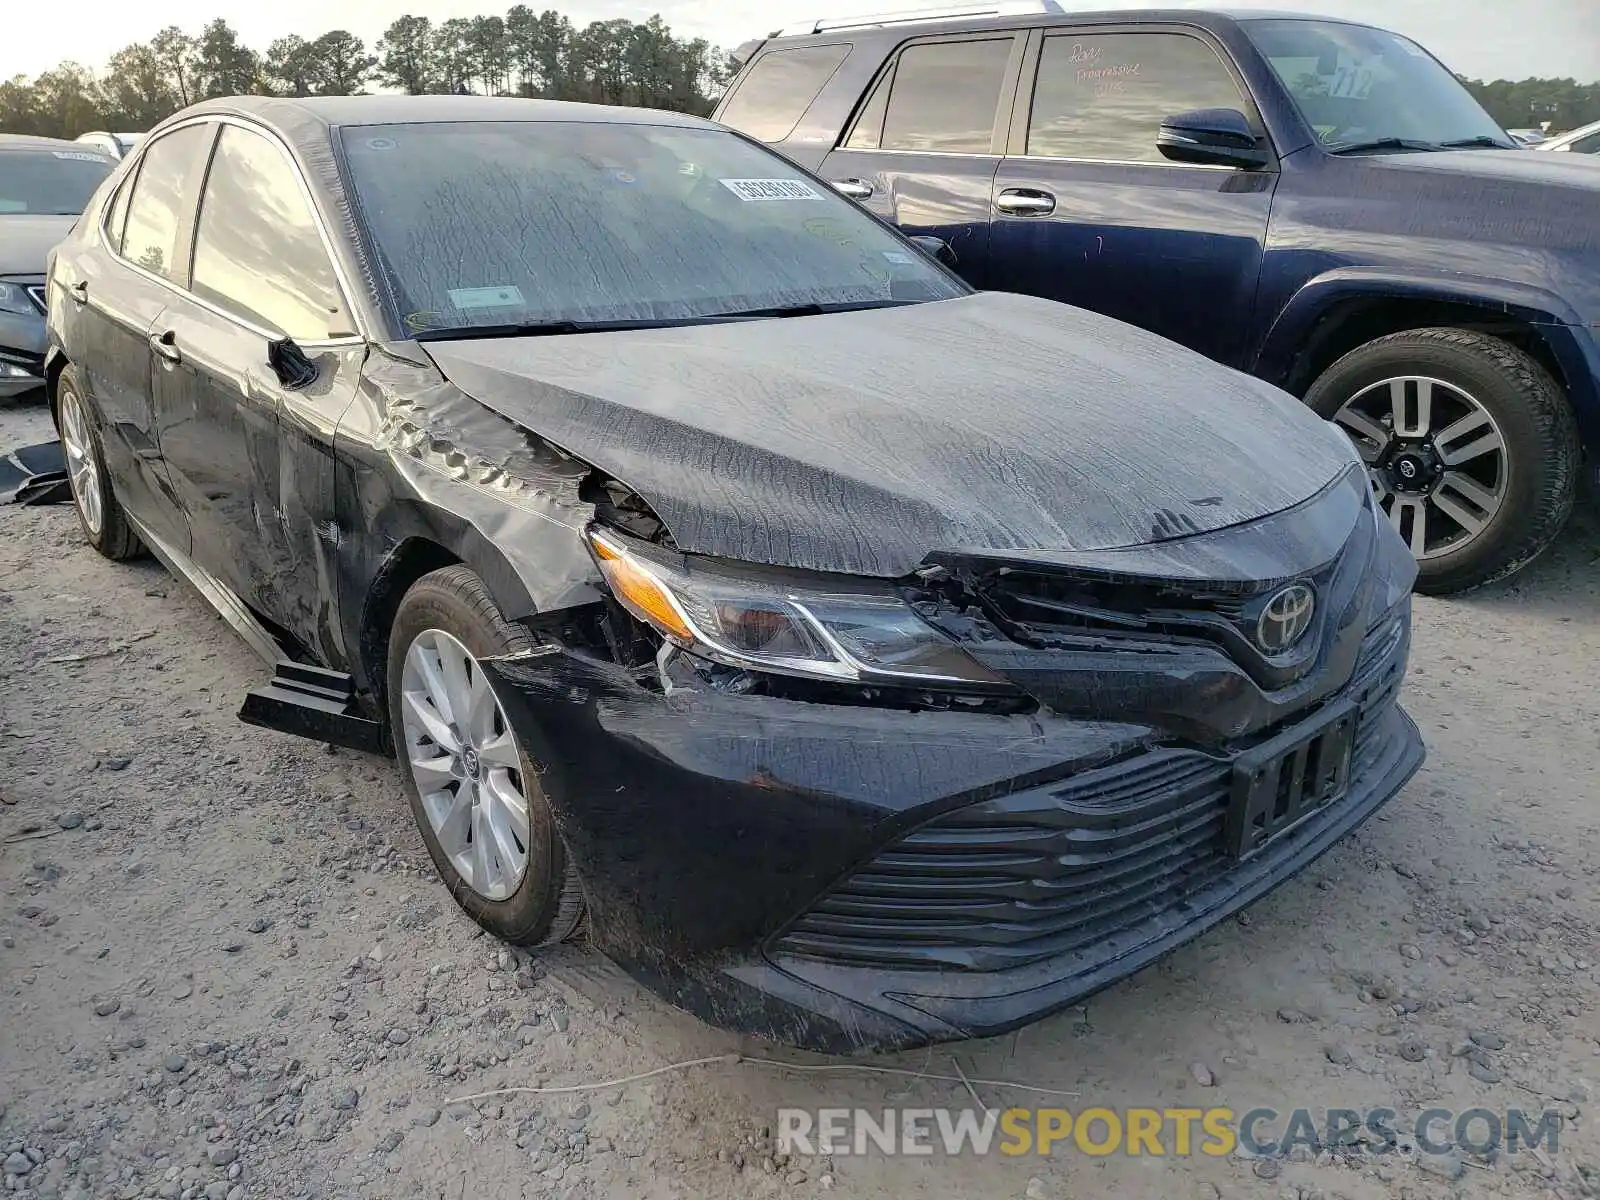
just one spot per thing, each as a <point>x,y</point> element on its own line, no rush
<point>870,660</point>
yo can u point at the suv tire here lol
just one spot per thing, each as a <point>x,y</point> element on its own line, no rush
<point>105,526</point>
<point>1486,447</point>
<point>508,869</point>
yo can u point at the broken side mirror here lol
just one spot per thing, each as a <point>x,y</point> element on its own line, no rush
<point>1218,137</point>
<point>936,248</point>
<point>289,363</point>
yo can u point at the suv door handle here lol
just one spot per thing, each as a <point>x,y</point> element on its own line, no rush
<point>79,292</point>
<point>165,346</point>
<point>856,189</point>
<point>1023,202</point>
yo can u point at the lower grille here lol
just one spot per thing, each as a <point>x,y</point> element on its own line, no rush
<point>1046,872</point>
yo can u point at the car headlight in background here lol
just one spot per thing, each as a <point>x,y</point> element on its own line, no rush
<point>766,619</point>
<point>14,298</point>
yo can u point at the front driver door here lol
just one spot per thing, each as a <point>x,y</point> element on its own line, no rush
<point>249,448</point>
<point>1087,211</point>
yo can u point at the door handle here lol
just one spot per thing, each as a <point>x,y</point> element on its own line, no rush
<point>856,189</point>
<point>79,292</point>
<point>165,346</point>
<point>1021,202</point>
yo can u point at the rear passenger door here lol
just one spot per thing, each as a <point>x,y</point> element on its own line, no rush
<point>122,287</point>
<point>923,148</point>
<point>1088,211</point>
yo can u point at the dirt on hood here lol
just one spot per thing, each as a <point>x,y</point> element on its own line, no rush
<point>860,442</point>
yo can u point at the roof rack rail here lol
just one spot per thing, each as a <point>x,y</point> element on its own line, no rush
<point>995,8</point>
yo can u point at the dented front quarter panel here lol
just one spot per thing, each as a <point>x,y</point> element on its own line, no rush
<point>423,461</point>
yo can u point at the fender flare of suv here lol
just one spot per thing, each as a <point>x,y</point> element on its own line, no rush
<point>1288,356</point>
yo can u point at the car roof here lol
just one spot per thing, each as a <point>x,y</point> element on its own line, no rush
<point>335,111</point>
<point>26,141</point>
<point>912,23</point>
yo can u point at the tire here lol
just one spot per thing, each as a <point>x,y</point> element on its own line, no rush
<point>1535,468</point>
<point>105,528</point>
<point>546,906</point>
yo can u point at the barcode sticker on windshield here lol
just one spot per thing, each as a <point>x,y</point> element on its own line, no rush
<point>80,156</point>
<point>770,189</point>
<point>486,297</point>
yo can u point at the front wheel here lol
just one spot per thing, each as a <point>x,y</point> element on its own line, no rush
<point>1471,446</point>
<point>474,792</point>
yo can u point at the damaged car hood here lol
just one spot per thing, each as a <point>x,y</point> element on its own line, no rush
<point>859,442</point>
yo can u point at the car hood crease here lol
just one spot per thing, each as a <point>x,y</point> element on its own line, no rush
<point>860,442</point>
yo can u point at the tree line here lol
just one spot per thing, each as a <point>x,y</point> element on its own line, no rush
<point>522,53</point>
<point>1528,103</point>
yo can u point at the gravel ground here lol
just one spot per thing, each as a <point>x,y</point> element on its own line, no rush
<point>228,970</point>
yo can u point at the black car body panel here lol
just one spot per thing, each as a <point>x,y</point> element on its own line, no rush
<point>1065,499</point>
<point>28,239</point>
<point>895,446</point>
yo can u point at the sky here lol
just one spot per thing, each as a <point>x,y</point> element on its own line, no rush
<point>1486,39</point>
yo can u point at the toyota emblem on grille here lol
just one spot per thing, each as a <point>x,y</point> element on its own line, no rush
<point>1285,619</point>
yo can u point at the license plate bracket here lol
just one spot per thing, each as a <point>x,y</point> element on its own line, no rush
<point>1281,782</point>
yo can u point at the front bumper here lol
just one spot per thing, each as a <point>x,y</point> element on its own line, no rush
<point>726,844</point>
<point>22,343</point>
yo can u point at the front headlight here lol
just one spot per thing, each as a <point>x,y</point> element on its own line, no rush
<point>14,298</point>
<point>768,619</point>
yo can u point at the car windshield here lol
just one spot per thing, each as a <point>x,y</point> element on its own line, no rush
<point>541,223</point>
<point>1358,87</point>
<point>54,182</point>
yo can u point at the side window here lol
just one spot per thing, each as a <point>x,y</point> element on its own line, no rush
<point>774,95</point>
<point>161,208</point>
<point>257,251</point>
<point>1102,96</point>
<point>868,131</point>
<point>117,220</point>
<point>941,98</point>
<point>1586,145</point>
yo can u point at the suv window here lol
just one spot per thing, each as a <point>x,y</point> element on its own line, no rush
<point>940,98</point>
<point>257,252</point>
<point>1356,85</point>
<point>780,86</point>
<point>1103,96</point>
<point>1586,145</point>
<point>161,209</point>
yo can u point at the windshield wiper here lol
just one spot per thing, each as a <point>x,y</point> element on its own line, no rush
<point>805,310</point>
<point>1388,143</point>
<point>1488,143</point>
<point>557,328</point>
<point>538,329</point>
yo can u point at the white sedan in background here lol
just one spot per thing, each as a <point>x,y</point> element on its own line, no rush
<point>1583,140</point>
<point>117,145</point>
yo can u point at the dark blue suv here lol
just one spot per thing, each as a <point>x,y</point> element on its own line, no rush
<point>1316,202</point>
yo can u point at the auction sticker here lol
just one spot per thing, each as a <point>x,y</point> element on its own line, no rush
<point>486,297</point>
<point>80,156</point>
<point>770,189</point>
